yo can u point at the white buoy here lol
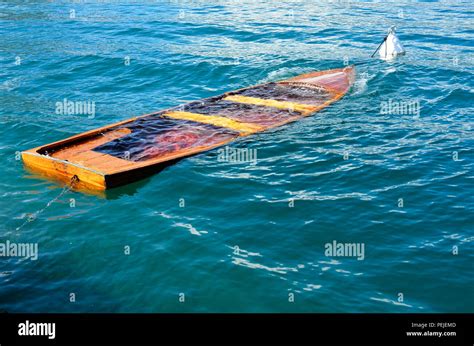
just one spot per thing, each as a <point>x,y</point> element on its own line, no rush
<point>392,46</point>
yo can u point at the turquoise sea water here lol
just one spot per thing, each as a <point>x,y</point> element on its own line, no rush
<point>400,184</point>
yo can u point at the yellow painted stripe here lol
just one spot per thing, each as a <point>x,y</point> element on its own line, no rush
<point>216,120</point>
<point>272,103</point>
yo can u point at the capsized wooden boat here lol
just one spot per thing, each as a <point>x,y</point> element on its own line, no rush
<point>129,150</point>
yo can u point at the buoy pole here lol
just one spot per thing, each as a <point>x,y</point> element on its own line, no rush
<point>380,45</point>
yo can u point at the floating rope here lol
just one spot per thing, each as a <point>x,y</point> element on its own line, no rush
<point>34,215</point>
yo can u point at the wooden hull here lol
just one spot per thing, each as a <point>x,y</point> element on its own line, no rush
<point>130,150</point>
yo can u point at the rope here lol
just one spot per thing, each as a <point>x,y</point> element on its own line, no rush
<point>368,61</point>
<point>66,189</point>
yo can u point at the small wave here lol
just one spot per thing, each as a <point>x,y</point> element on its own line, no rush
<point>190,228</point>
<point>246,263</point>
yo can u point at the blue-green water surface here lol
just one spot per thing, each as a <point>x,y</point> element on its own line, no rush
<point>236,237</point>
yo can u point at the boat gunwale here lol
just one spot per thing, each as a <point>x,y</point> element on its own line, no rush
<point>348,71</point>
<point>52,158</point>
<point>97,131</point>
